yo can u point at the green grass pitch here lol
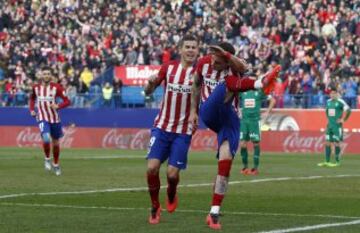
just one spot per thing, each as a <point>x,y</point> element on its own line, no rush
<point>105,191</point>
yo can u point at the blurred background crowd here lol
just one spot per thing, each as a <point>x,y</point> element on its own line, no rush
<point>317,43</point>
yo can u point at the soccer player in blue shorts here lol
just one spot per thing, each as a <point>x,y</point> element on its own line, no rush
<point>217,80</point>
<point>45,94</point>
<point>171,136</point>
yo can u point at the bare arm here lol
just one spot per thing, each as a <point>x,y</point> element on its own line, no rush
<point>272,103</point>
<point>195,94</point>
<point>195,99</point>
<point>236,63</point>
<point>151,85</point>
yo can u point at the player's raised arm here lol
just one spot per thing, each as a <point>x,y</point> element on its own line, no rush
<point>237,64</point>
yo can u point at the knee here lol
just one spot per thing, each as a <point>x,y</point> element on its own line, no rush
<point>55,142</point>
<point>172,175</point>
<point>46,137</point>
<point>153,168</point>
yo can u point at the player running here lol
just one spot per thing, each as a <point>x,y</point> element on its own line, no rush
<point>171,135</point>
<point>250,126</point>
<point>335,108</point>
<point>216,79</point>
<point>45,93</point>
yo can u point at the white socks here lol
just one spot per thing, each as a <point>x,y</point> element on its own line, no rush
<point>215,209</point>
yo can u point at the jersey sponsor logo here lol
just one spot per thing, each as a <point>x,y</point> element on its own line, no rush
<point>212,83</point>
<point>45,98</point>
<point>249,103</point>
<point>178,88</point>
<point>332,112</point>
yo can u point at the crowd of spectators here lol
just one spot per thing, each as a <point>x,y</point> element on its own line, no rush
<point>317,42</point>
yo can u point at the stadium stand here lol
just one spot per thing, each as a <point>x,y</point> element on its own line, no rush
<point>317,42</point>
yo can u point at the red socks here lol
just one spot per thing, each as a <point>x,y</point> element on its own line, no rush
<point>46,147</point>
<point>236,84</point>
<point>221,182</point>
<point>56,153</point>
<point>171,189</point>
<point>154,188</point>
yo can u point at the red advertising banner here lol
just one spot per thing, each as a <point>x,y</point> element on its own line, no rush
<point>288,131</point>
<point>135,75</point>
<point>272,141</point>
<point>308,120</point>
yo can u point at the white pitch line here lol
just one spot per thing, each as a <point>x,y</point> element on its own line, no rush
<point>177,210</point>
<point>163,187</point>
<point>314,227</point>
<point>96,157</point>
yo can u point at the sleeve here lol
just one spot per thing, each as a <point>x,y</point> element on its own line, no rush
<point>32,100</point>
<point>344,105</point>
<point>162,73</point>
<point>60,92</point>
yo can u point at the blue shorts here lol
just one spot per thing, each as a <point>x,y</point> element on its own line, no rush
<point>172,146</point>
<point>54,129</point>
<point>221,118</point>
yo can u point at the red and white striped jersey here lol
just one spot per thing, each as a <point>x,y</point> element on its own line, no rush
<point>175,108</point>
<point>45,95</point>
<point>210,78</point>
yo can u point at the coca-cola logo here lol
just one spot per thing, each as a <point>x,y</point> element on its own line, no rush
<point>31,137</point>
<point>125,140</point>
<point>297,142</point>
<point>204,141</point>
<point>27,137</point>
<point>68,139</point>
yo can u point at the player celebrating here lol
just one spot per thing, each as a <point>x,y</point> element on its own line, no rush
<point>218,109</point>
<point>171,135</point>
<point>335,108</point>
<point>250,125</point>
<point>45,94</point>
